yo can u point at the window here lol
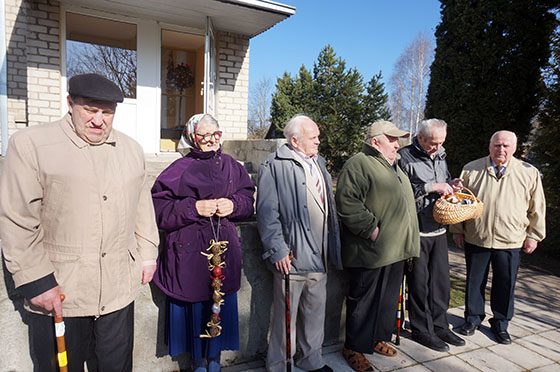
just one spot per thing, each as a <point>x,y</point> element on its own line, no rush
<point>102,46</point>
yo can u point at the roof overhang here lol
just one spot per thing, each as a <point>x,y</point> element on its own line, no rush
<point>245,17</point>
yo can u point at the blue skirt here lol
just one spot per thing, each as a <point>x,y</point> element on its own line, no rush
<point>186,321</point>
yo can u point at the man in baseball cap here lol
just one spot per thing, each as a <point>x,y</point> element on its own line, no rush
<point>376,206</point>
<point>76,217</point>
<point>387,128</point>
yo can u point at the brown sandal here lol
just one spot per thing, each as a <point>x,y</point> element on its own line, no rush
<point>384,349</point>
<point>357,361</point>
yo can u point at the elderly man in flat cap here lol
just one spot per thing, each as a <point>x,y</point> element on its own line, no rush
<point>376,206</point>
<point>76,218</point>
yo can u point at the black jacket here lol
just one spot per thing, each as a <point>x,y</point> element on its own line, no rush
<point>421,169</point>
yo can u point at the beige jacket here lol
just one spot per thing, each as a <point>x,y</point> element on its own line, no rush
<point>83,212</point>
<point>514,205</point>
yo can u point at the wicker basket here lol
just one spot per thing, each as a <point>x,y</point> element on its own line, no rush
<point>448,213</point>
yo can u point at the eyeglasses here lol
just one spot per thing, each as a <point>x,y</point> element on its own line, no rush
<point>205,138</point>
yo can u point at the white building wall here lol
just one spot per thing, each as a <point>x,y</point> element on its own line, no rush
<point>233,84</point>
<point>32,36</point>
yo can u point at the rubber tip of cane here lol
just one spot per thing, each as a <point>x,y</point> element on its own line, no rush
<point>62,297</point>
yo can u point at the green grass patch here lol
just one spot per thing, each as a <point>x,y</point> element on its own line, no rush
<point>457,294</point>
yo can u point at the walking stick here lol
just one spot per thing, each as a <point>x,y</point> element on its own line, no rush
<point>288,320</point>
<point>400,312</point>
<point>59,330</point>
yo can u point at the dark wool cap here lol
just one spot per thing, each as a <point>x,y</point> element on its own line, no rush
<point>95,87</point>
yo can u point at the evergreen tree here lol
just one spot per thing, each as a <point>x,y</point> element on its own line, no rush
<point>292,96</point>
<point>486,72</point>
<point>545,146</point>
<point>375,102</point>
<point>338,107</point>
<point>336,98</point>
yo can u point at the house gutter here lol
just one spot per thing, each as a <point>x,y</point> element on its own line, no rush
<point>265,5</point>
<point>3,81</point>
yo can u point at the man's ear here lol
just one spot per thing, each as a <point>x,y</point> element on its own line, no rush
<point>69,101</point>
<point>294,142</point>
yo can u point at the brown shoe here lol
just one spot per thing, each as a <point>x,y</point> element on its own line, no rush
<point>357,361</point>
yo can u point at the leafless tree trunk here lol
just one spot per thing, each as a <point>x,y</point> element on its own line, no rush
<point>409,83</point>
<point>259,108</point>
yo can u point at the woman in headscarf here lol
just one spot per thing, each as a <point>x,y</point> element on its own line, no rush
<point>197,200</point>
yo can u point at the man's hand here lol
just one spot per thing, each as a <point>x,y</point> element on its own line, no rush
<point>206,208</point>
<point>442,188</point>
<point>529,246</point>
<point>49,300</point>
<point>284,265</point>
<point>224,207</point>
<point>374,234</point>
<point>456,184</point>
<point>459,240</point>
<point>148,273</point>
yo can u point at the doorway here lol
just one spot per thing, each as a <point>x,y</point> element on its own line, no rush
<point>182,83</point>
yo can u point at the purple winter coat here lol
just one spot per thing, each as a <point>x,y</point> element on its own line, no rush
<point>182,271</point>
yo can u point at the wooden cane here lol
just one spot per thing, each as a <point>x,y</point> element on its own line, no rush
<point>59,330</point>
<point>288,319</point>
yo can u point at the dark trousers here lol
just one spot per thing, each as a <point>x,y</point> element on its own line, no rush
<point>104,343</point>
<point>505,264</point>
<point>428,287</point>
<point>371,306</point>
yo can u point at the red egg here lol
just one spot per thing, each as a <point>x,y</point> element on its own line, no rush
<point>217,271</point>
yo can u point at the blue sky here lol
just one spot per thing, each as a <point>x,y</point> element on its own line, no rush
<point>369,34</point>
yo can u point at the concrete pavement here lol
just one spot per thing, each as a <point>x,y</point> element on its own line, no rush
<point>535,330</point>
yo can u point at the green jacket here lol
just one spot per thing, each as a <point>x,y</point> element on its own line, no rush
<point>371,193</point>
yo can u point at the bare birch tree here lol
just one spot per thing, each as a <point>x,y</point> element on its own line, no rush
<point>409,83</point>
<point>259,108</point>
<point>116,64</point>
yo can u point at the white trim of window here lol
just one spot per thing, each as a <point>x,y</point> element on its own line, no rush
<point>64,8</point>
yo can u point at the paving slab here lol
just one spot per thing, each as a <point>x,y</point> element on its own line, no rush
<point>485,360</point>
<point>416,368</point>
<point>552,335</point>
<point>543,346</point>
<point>517,331</point>
<point>532,322</point>
<point>451,363</point>
<point>519,355</point>
<point>550,368</point>
<point>383,363</point>
<point>419,353</point>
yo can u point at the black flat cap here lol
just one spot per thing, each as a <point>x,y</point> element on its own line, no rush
<point>95,87</point>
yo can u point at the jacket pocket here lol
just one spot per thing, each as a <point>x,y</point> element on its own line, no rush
<point>68,272</point>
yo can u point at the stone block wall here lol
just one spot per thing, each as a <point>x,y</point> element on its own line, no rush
<point>233,84</point>
<point>33,56</point>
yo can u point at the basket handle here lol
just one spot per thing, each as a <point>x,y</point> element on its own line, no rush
<point>469,191</point>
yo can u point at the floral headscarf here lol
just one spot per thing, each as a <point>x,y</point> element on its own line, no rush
<point>188,137</point>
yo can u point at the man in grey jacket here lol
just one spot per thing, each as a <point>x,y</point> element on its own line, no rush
<point>296,219</point>
<point>424,163</point>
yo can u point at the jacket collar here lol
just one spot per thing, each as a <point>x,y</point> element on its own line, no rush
<point>286,153</point>
<point>372,151</point>
<point>68,129</point>
<point>512,164</point>
<point>199,154</point>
